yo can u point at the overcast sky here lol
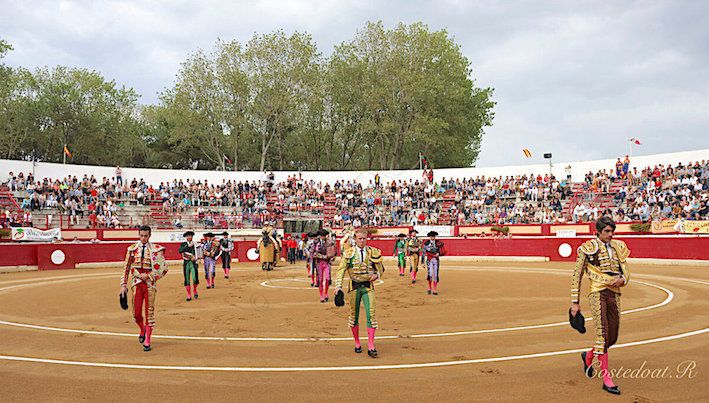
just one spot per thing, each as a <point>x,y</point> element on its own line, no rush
<point>573,78</point>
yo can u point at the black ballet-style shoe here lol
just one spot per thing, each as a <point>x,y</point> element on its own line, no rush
<point>413,281</point>
<point>614,390</point>
<point>147,348</point>
<point>358,350</point>
<point>587,369</point>
<point>435,293</point>
<point>429,292</point>
<point>196,296</point>
<point>189,299</point>
<point>327,299</point>
<point>226,277</point>
<point>372,353</point>
<point>141,338</point>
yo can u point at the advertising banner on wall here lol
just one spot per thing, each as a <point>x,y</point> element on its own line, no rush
<point>30,234</point>
<point>696,227</point>
<point>664,226</point>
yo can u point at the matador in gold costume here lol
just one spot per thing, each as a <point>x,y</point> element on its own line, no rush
<point>413,252</point>
<point>603,261</point>
<point>363,264</point>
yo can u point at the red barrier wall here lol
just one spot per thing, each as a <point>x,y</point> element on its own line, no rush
<point>657,247</point>
<point>18,254</point>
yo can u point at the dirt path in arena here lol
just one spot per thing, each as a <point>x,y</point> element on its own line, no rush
<point>225,328</point>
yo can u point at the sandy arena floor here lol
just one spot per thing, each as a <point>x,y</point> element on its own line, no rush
<point>495,332</point>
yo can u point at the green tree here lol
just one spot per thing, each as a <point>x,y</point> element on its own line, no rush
<point>79,108</point>
<point>281,71</point>
<point>197,110</point>
<point>415,93</point>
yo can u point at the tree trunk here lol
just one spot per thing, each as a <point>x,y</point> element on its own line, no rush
<point>383,152</point>
<point>236,151</point>
<point>264,149</point>
<point>280,151</point>
<point>263,157</point>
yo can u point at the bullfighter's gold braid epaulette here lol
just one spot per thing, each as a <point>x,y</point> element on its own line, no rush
<point>589,247</point>
<point>621,248</point>
<point>375,255</point>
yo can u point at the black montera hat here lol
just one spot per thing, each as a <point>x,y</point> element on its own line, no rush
<point>578,322</point>
<point>188,233</point>
<point>123,300</point>
<point>340,298</point>
<point>433,233</point>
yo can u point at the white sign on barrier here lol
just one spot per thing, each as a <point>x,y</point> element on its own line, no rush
<point>34,234</point>
<point>176,235</point>
<point>443,230</point>
<point>566,233</point>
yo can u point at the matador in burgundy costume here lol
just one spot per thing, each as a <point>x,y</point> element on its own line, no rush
<point>145,264</point>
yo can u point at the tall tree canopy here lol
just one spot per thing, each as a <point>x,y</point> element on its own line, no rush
<point>274,102</point>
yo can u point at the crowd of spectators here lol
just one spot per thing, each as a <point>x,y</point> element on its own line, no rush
<point>674,192</point>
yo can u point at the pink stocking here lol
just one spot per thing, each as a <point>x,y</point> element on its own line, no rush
<point>355,334</point>
<point>148,333</point>
<point>607,380</point>
<point>589,357</point>
<point>370,338</point>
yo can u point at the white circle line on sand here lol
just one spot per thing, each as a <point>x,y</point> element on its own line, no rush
<point>66,279</point>
<point>299,280</point>
<point>32,280</point>
<point>343,368</point>
<point>667,300</point>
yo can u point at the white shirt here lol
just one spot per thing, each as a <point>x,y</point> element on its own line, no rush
<point>361,253</point>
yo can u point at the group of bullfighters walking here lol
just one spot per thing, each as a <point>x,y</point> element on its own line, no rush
<point>602,259</point>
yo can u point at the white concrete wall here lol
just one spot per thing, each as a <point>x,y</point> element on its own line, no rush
<point>155,176</point>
